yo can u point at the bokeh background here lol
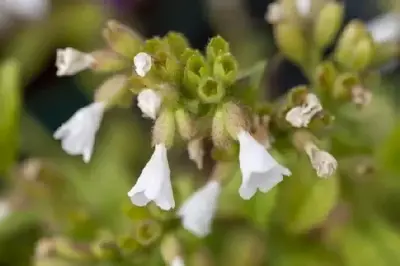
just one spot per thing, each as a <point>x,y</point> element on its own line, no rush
<point>355,220</point>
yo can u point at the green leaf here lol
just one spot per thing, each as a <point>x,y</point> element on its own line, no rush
<point>10,104</point>
<point>305,200</point>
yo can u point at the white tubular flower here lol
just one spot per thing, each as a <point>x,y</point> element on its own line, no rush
<point>274,13</point>
<point>198,210</point>
<point>303,7</point>
<point>324,163</point>
<point>149,103</point>
<point>300,116</point>
<point>178,261</point>
<point>259,169</point>
<point>385,28</point>
<point>71,61</point>
<point>154,183</point>
<point>78,134</point>
<point>142,63</point>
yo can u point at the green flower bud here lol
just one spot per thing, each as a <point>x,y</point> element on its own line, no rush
<point>363,54</point>
<point>226,69</point>
<point>170,248</point>
<point>187,54</point>
<point>173,69</point>
<point>211,91</point>
<point>122,39</point>
<point>154,45</point>
<point>217,46</point>
<point>291,42</point>
<point>147,232</point>
<point>343,86</point>
<point>185,124</point>
<point>297,95</point>
<point>326,74</point>
<point>328,24</point>
<point>352,34</point>
<point>109,61</point>
<point>195,69</point>
<point>114,91</point>
<point>164,128</point>
<point>177,43</point>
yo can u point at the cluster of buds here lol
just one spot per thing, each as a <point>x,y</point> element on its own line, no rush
<point>194,97</point>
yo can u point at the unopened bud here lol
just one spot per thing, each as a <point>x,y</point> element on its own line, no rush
<point>122,39</point>
<point>291,42</point>
<point>114,91</point>
<point>226,69</point>
<point>217,46</point>
<point>219,134</point>
<point>195,69</point>
<point>177,43</point>
<point>109,61</point>
<point>328,24</point>
<point>170,248</point>
<point>363,54</point>
<point>211,91</point>
<point>164,128</point>
<point>196,152</point>
<point>326,74</point>
<point>185,124</point>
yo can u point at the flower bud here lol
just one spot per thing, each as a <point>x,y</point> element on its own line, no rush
<point>226,69</point>
<point>195,69</point>
<point>343,85</point>
<point>109,61</point>
<point>234,119</point>
<point>328,24</point>
<point>217,46</point>
<point>177,43</point>
<point>147,231</point>
<point>164,128</point>
<point>196,152</point>
<point>114,91</point>
<point>170,248</point>
<point>211,91</point>
<point>291,42</point>
<point>185,124</point>
<point>122,39</point>
<point>219,134</point>
<point>363,54</point>
<point>326,74</point>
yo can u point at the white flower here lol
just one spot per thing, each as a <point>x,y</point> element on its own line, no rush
<point>154,183</point>
<point>324,163</point>
<point>303,7</point>
<point>274,13</point>
<point>142,63</point>
<point>198,210</point>
<point>259,169</point>
<point>300,116</point>
<point>385,28</point>
<point>149,103</point>
<point>177,261</point>
<point>71,61</point>
<point>78,134</point>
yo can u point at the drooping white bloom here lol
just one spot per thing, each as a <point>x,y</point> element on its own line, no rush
<point>274,13</point>
<point>198,210</point>
<point>71,61</point>
<point>78,134</point>
<point>385,28</point>
<point>142,62</point>
<point>324,163</point>
<point>149,103</point>
<point>303,7</point>
<point>154,183</point>
<point>178,261</point>
<point>259,169</point>
<point>300,116</point>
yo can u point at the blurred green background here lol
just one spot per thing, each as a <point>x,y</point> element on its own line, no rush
<point>352,219</point>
